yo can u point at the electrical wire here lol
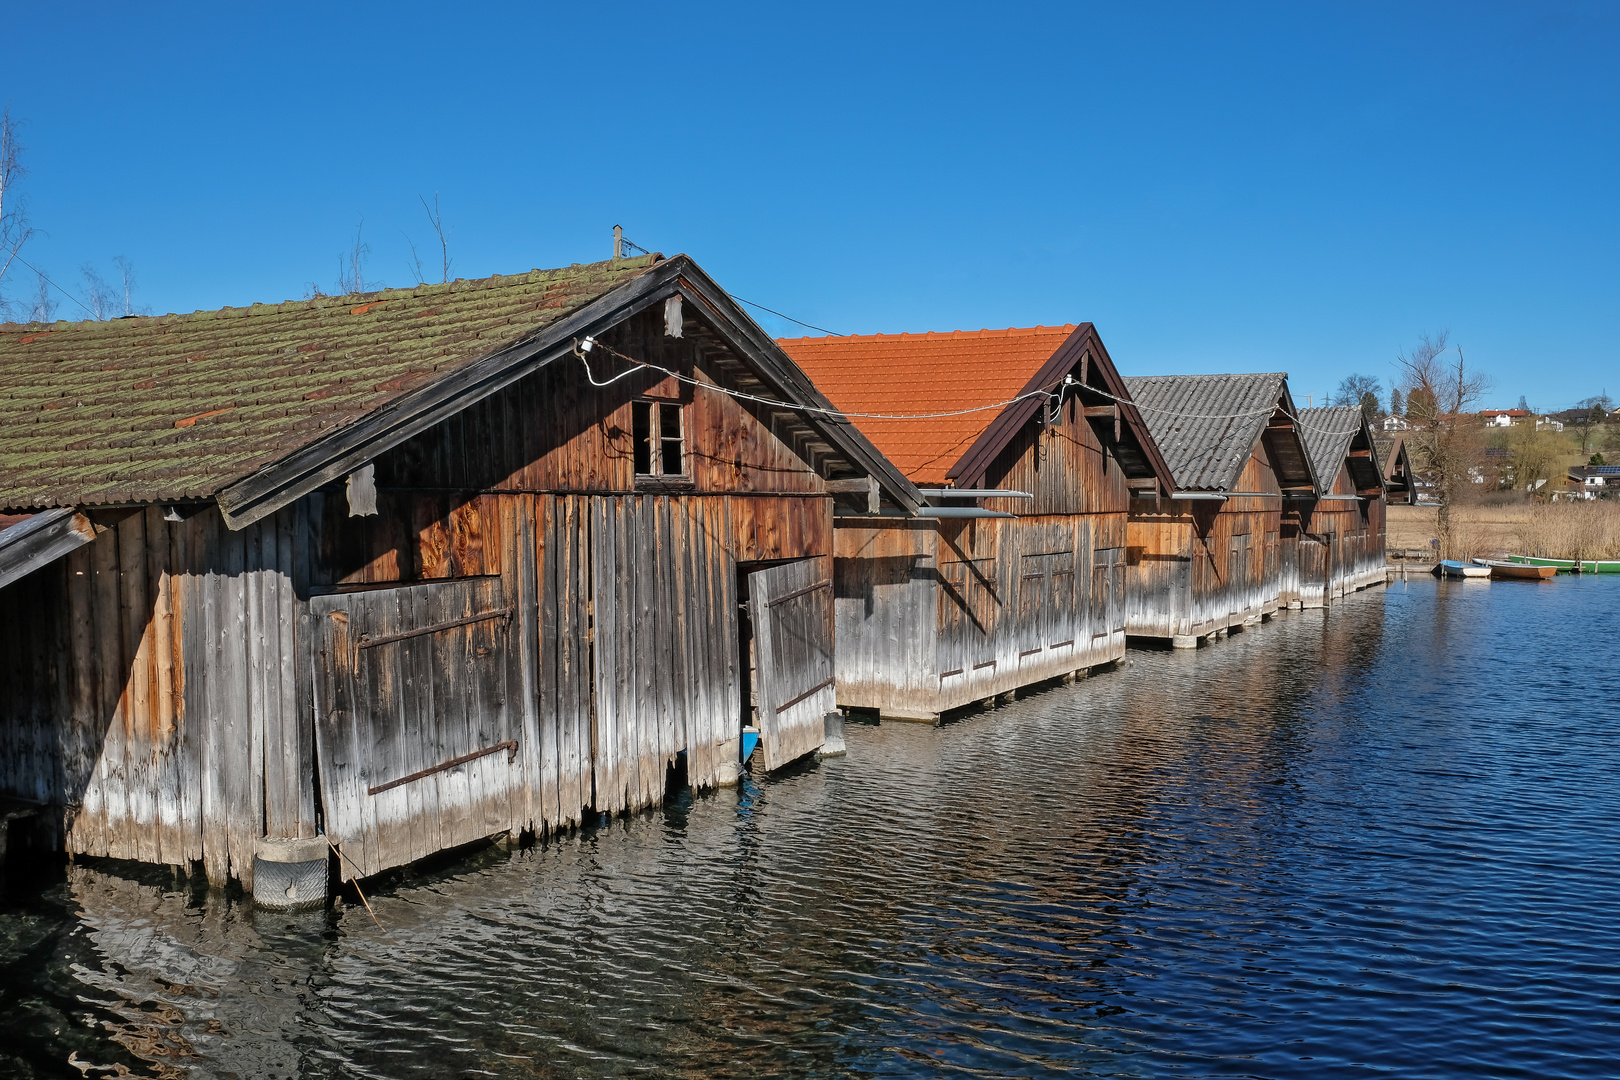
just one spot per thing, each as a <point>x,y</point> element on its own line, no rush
<point>52,284</point>
<point>789,318</point>
<point>839,413</point>
<point>790,405</point>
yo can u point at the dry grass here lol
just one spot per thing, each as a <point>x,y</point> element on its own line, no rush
<point>1562,530</point>
<point>1572,530</point>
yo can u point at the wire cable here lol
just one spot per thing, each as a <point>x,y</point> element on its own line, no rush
<point>52,284</point>
<point>839,413</point>
<point>772,402</point>
<point>789,318</point>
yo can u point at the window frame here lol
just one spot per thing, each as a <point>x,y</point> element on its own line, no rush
<point>654,445</point>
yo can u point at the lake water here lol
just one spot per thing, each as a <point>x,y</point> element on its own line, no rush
<point>1376,841</point>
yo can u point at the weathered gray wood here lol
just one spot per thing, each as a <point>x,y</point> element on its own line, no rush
<point>41,540</point>
<point>793,627</point>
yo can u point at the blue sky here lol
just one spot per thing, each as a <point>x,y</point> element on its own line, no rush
<point>1303,187</point>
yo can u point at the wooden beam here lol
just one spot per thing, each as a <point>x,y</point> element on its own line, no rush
<point>42,539</point>
<point>865,485</point>
<point>1102,412</point>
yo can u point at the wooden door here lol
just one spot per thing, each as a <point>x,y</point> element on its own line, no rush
<point>1237,576</point>
<point>416,741</point>
<point>1107,591</point>
<point>791,607</point>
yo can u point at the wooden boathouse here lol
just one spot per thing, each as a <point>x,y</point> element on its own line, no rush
<point>1014,574</point>
<point>409,569</point>
<point>1400,487</point>
<point>1210,554</point>
<point>1341,543</point>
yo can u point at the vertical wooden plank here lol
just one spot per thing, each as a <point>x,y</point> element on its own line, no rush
<point>83,755</point>
<point>165,736</point>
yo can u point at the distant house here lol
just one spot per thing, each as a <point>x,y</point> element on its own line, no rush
<point>1503,417</point>
<point>1594,481</point>
<point>1547,423</point>
<point>1395,423</point>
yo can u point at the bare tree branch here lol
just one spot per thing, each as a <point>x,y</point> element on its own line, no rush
<point>352,264</point>
<point>43,308</point>
<point>14,228</point>
<point>436,218</point>
<point>1445,433</point>
<point>100,297</point>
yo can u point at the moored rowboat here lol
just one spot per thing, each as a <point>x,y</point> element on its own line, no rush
<point>1453,569</point>
<point>1587,566</point>
<point>1517,571</point>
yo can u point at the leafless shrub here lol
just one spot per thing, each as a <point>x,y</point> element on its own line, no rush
<point>352,266</point>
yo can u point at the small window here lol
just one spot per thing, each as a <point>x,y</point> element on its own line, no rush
<point>659,437</point>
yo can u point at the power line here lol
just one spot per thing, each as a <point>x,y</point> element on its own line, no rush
<point>53,284</point>
<point>795,406</point>
<point>789,318</point>
<point>792,405</point>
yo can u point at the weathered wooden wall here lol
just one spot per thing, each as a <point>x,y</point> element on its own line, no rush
<point>160,683</point>
<point>1195,567</point>
<point>932,616</point>
<point>1350,533</point>
<point>149,671</point>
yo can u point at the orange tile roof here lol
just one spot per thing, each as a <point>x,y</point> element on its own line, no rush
<point>925,373</point>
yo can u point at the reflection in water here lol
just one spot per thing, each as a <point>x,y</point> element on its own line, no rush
<point>1375,839</point>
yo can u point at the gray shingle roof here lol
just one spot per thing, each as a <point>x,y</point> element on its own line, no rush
<point>1206,425</point>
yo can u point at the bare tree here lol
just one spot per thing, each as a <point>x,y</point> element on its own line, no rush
<point>1445,432</point>
<point>352,265</point>
<point>43,307</point>
<point>100,297</point>
<point>14,227</point>
<point>435,219</point>
<point>1588,413</point>
<point>1363,392</point>
<point>126,282</point>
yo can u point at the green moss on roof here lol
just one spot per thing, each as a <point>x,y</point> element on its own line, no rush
<point>178,406</point>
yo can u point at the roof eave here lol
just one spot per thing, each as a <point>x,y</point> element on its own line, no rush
<point>972,465</point>
<point>347,448</point>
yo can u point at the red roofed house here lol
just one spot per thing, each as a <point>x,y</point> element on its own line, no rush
<point>982,592</point>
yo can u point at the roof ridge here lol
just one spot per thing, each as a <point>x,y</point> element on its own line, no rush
<point>934,335</point>
<point>323,300</point>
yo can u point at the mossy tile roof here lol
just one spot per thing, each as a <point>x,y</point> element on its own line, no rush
<point>178,406</point>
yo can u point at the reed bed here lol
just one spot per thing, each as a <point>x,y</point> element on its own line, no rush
<point>1571,530</point>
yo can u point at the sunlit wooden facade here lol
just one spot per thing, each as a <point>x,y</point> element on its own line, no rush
<point>1209,555</point>
<point>1341,546</point>
<point>499,598</point>
<point>935,613</point>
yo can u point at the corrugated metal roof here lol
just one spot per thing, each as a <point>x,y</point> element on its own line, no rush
<point>179,406</point>
<point>1206,425</point>
<point>911,373</point>
<point>1328,432</point>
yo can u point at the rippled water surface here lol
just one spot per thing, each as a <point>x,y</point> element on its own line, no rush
<point>1376,841</point>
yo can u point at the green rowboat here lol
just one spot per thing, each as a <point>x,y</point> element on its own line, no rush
<point>1588,566</point>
